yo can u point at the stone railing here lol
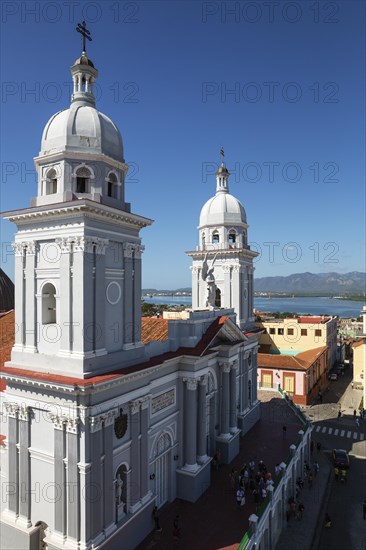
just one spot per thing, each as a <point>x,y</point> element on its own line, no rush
<point>267,525</point>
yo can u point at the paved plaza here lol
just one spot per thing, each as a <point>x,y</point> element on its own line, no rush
<point>214,522</point>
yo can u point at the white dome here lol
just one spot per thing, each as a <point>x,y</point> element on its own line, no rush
<point>223,209</point>
<point>82,128</point>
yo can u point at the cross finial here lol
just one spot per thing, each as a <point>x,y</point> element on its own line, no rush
<point>222,154</point>
<point>81,28</point>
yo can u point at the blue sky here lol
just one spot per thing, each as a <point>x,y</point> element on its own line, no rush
<point>281,87</point>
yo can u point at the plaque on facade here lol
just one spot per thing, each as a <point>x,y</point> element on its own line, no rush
<point>162,401</point>
<point>120,425</point>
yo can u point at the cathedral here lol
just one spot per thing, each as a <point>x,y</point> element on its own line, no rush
<point>98,427</point>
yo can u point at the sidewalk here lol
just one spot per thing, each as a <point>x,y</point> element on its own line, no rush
<point>300,534</point>
<point>214,522</point>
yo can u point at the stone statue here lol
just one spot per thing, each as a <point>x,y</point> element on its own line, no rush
<point>119,486</point>
<point>208,277</point>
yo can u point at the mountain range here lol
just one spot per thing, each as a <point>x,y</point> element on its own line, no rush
<point>353,282</point>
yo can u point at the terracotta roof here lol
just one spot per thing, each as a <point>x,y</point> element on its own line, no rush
<point>7,323</point>
<point>302,361</point>
<point>199,350</point>
<point>153,328</point>
<point>313,320</point>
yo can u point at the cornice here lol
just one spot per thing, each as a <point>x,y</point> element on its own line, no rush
<point>84,207</point>
<point>232,252</point>
<point>82,156</point>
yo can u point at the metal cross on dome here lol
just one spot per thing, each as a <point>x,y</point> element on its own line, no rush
<point>81,28</point>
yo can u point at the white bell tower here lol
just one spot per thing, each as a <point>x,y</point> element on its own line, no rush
<point>222,268</point>
<point>78,249</point>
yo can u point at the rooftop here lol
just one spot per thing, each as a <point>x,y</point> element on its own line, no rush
<point>302,361</point>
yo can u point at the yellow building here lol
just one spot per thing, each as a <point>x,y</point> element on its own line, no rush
<point>300,334</point>
<point>358,363</point>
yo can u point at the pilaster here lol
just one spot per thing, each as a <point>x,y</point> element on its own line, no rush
<point>225,400</point>
<point>233,406</point>
<point>30,300</point>
<point>201,421</point>
<point>190,424</point>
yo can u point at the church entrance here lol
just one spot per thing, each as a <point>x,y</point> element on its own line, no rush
<point>162,470</point>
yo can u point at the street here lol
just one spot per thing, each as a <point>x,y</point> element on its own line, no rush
<point>343,501</point>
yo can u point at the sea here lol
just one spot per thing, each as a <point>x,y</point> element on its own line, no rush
<point>302,306</point>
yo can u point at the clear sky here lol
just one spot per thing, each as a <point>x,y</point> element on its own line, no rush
<point>281,85</point>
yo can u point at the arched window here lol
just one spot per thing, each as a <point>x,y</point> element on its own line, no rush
<point>51,182</point>
<point>244,237</point>
<point>163,444</point>
<point>83,180</point>
<point>232,237</point>
<point>203,239</point>
<point>218,298</point>
<point>48,304</point>
<point>121,490</point>
<point>112,188</point>
<point>215,237</point>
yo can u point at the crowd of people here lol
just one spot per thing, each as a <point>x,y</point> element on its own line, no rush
<point>252,479</point>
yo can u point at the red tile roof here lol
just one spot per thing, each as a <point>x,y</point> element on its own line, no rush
<point>199,350</point>
<point>302,361</point>
<point>153,328</point>
<point>313,320</point>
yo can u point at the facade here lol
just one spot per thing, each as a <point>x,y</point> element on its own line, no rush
<point>359,359</point>
<point>300,334</point>
<point>98,427</point>
<point>301,376</point>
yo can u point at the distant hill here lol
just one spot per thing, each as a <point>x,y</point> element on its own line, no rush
<point>311,283</point>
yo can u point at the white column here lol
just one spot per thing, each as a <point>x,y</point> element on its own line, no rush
<point>226,298</point>
<point>233,409</point>
<point>19,248</point>
<point>31,324</point>
<point>65,303</point>
<point>225,400</point>
<point>190,424</point>
<point>201,420</point>
<point>195,294</point>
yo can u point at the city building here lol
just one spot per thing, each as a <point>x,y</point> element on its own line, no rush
<point>298,334</point>
<point>302,375</point>
<point>359,359</point>
<point>98,426</point>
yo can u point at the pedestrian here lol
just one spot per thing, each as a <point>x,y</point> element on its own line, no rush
<point>156,519</point>
<point>239,496</point>
<point>327,521</point>
<point>336,473</point>
<point>310,479</point>
<point>354,413</point>
<point>177,534</point>
<point>301,509</point>
<point>352,385</point>
<point>339,413</point>
<point>284,431</point>
<point>364,509</point>
<point>242,502</point>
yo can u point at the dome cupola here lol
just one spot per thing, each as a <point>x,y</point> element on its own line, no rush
<point>223,208</point>
<point>82,150</point>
